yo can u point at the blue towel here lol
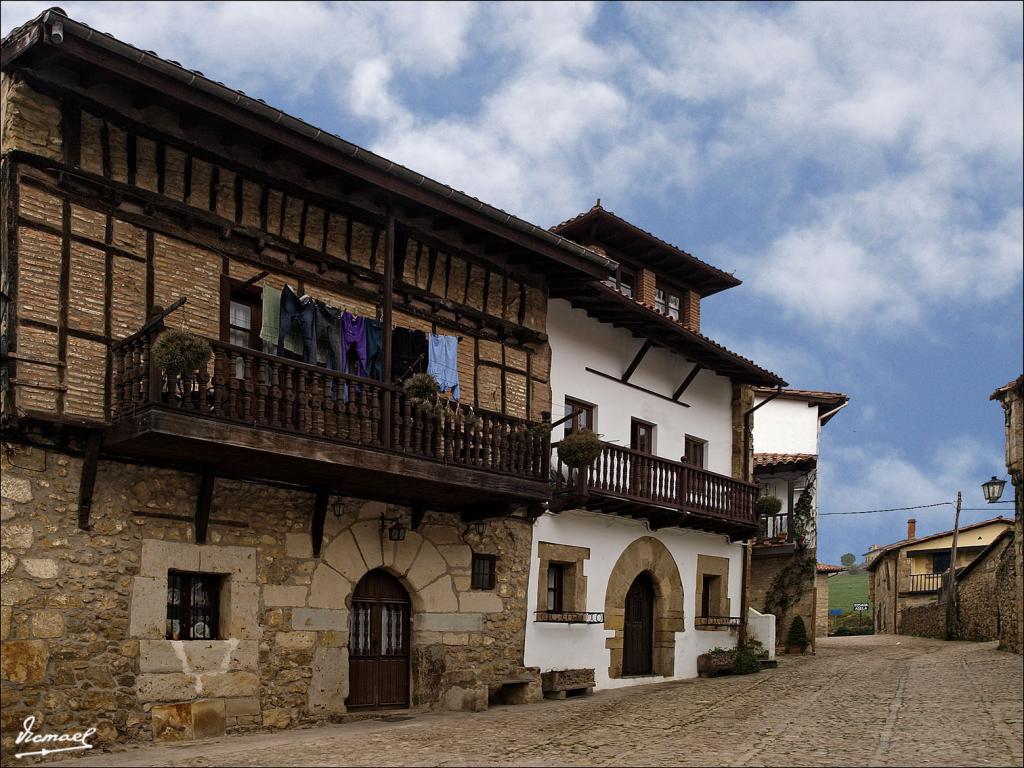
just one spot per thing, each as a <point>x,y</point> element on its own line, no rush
<point>443,362</point>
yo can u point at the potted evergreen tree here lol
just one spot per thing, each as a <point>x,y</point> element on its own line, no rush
<point>797,640</point>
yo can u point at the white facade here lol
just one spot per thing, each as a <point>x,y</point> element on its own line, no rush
<point>578,343</point>
<point>786,426</point>
<point>552,646</point>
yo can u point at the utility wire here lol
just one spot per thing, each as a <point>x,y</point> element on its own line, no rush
<point>891,509</point>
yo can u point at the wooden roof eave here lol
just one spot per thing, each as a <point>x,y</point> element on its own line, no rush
<point>186,87</point>
<point>607,305</point>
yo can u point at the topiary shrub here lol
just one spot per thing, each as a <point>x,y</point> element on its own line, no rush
<point>767,506</point>
<point>746,662</point>
<point>421,386</point>
<point>797,636</point>
<point>180,353</point>
<point>579,449</point>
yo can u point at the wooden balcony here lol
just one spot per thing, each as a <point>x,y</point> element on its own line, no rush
<point>255,415</point>
<point>923,582</point>
<point>663,492</point>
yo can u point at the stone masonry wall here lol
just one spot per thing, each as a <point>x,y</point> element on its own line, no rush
<point>83,614</point>
<point>763,571</point>
<point>821,606</point>
<point>1008,601</point>
<point>924,620</point>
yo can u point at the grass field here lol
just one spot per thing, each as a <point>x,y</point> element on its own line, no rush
<point>845,589</point>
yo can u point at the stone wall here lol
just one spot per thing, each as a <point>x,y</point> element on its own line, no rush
<point>821,606</point>
<point>924,620</point>
<point>1011,397</point>
<point>978,595</point>
<point>763,571</point>
<point>1008,600</point>
<point>83,612</point>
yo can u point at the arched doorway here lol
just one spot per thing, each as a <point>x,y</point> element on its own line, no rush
<point>638,628</point>
<point>378,644</point>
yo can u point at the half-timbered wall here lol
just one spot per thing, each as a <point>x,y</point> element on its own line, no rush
<point>112,211</point>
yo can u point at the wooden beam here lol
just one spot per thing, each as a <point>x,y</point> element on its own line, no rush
<point>319,516</point>
<point>87,483</point>
<point>631,368</point>
<point>604,375</point>
<point>687,381</point>
<point>388,290</point>
<point>418,511</point>
<point>203,503</point>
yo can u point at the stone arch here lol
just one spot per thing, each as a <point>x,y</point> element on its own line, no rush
<point>650,556</point>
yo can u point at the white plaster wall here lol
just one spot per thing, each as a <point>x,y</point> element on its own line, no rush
<point>785,426</point>
<point>557,646</point>
<point>578,341</point>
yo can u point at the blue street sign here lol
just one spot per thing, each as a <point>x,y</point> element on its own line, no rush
<point>835,611</point>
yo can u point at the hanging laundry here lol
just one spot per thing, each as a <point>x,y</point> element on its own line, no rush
<point>328,339</point>
<point>375,349</point>
<point>353,334</point>
<point>443,363</point>
<point>271,325</point>
<point>298,318</point>
<point>408,352</point>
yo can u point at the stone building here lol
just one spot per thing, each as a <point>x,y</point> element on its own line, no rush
<point>787,426</point>
<point>257,540</point>
<point>823,572</point>
<point>1011,396</point>
<point>986,588</point>
<point>910,574</point>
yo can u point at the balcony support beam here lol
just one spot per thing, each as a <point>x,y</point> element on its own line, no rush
<point>203,503</point>
<point>90,462</point>
<point>319,517</point>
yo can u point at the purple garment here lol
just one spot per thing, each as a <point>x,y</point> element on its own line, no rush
<point>353,331</point>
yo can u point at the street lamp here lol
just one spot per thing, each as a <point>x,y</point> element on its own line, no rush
<point>393,526</point>
<point>993,489</point>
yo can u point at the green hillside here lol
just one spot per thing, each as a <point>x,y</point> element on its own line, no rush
<point>845,589</point>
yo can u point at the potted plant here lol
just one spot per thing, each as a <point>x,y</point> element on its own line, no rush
<point>179,354</point>
<point>421,388</point>
<point>747,661</point>
<point>716,661</point>
<point>579,449</point>
<point>797,640</point>
<point>768,506</point>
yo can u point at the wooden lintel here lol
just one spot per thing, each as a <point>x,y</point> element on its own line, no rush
<point>631,368</point>
<point>203,504</point>
<point>90,462</point>
<point>687,381</point>
<point>319,517</point>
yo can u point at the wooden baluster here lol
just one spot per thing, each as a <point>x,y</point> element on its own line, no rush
<point>363,407</point>
<point>377,415</point>
<point>407,423</point>
<point>248,390</point>
<point>458,428</point>
<point>218,382</point>
<point>396,420</point>
<point>262,377</point>
<point>202,382</point>
<point>331,385</point>
<point>352,407</point>
<point>233,383</point>
<point>485,440</point>
<point>275,394</point>
<point>316,403</point>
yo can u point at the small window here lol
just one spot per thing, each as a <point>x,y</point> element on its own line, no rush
<point>584,418</point>
<point>193,602</point>
<point>483,571</point>
<point>556,587</point>
<point>940,562</point>
<point>695,452</point>
<point>241,314</point>
<point>708,604</point>
<point>673,307</point>
<point>626,282</point>
<point>667,302</point>
<point>659,301</point>
<point>641,436</point>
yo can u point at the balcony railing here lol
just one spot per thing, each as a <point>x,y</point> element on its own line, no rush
<point>926,582</point>
<point>570,617</point>
<point>247,387</point>
<point>717,622</point>
<point>634,476</point>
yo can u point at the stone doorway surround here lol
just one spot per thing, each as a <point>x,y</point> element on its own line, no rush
<point>650,556</point>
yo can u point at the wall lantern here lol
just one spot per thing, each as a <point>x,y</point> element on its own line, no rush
<point>338,507</point>
<point>993,489</point>
<point>479,527</point>
<point>393,525</point>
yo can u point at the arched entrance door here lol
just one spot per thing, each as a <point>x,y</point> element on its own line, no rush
<point>378,643</point>
<point>638,629</point>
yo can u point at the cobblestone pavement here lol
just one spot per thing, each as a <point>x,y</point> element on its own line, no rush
<point>870,701</point>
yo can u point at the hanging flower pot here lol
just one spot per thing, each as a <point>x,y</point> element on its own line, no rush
<point>179,354</point>
<point>579,449</point>
<point>421,387</point>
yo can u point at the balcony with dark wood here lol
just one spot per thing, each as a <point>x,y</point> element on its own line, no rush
<point>255,415</point>
<point>666,493</point>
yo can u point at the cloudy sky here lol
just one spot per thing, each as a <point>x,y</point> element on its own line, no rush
<point>859,166</point>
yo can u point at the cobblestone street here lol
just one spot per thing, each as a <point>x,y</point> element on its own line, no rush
<point>860,701</point>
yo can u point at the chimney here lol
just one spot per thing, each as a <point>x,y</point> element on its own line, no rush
<point>911,529</point>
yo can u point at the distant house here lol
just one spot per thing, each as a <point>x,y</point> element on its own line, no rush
<point>824,571</point>
<point>911,572</point>
<point>786,435</point>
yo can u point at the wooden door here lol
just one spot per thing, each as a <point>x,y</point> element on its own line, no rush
<point>638,630</point>
<point>378,643</point>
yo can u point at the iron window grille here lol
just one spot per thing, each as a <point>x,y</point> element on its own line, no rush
<point>483,571</point>
<point>570,617</point>
<point>732,622</point>
<point>193,605</point>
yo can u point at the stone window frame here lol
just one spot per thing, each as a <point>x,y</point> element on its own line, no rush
<point>715,566</point>
<point>574,582</point>
<point>491,572</point>
<point>214,587</point>
<point>239,593</point>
